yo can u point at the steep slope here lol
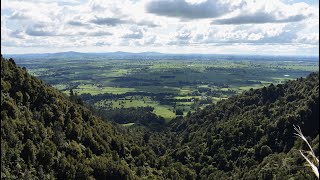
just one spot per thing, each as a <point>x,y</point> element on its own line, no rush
<point>46,135</point>
<point>251,135</point>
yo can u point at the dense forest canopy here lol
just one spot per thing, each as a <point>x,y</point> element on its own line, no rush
<point>48,135</point>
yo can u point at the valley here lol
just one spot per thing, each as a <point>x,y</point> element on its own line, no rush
<point>168,83</point>
<point>159,90</point>
<point>46,134</point>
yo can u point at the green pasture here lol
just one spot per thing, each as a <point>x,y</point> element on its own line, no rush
<point>179,79</point>
<point>161,110</point>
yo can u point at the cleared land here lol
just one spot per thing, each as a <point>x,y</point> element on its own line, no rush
<point>167,85</point>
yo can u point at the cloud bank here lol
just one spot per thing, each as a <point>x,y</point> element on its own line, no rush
<point>188,26</point>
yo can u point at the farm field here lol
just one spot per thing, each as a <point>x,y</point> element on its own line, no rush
<point>167,85</point>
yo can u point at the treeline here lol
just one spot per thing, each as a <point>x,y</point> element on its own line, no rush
<point>95,98</point>
<point>139,115</point>
<point>251,136</point>
<point>47,135</point>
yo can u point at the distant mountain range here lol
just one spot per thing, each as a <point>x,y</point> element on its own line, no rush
<point>73,53</point>
<point>153,55</point>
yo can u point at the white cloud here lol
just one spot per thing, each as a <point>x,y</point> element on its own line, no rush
<point>208,26</point>
<point>135,33</point>
<point>272,11</point>
<point>190,9</point>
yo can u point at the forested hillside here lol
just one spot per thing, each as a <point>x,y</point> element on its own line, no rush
<point>251,135</point>
<point>47,135</point>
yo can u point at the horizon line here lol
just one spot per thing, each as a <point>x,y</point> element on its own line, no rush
<point>156,52</point>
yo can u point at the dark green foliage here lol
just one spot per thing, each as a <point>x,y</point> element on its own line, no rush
<point>28,152</point>
<point>265,151</point>
<point>138,115</point>
<point>47,135</point>
<point>179,112</point>
<point>245,133</point>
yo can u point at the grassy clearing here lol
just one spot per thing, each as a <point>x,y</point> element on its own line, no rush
<point>181,79</point>
<point>217,99</point>
<point>94,90</point>
<point>281,79</point>
<point>246,88</point>
<point>160,110</point>
<point>185,91</point>
<point>127,124</point>
<point>164,112</point>
<point>60,86</point>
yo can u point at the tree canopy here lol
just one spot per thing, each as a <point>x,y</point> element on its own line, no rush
<point>48,135</point>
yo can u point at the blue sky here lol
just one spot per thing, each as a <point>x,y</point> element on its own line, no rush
<point>272,27</point>
<point>311,2</point>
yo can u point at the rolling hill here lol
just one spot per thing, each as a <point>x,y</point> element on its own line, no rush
<point>48,135</point>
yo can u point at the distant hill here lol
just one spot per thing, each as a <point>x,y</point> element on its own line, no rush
<point>72,54</point>
<point>157,55</point>
<point>47,135</point>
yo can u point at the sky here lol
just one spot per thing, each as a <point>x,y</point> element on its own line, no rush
<point>262,27</point>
